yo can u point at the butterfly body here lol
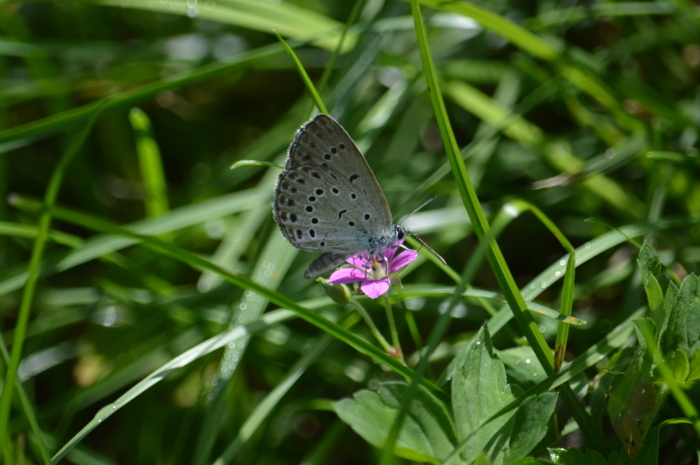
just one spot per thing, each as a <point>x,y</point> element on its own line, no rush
<point>328,200</point>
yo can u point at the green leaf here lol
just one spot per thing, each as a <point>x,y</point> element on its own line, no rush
<point>632,401</point>
<point>428,434</point>
<point>677,361</point>
<point>531,461</point>
<point>649,455</point>
<point>529,425</point>
<point>670,294</point>
<point>651,270</point>
<point>479,391</point>
<point>683,331</point>
<point>694,369</point>
<point>522,366</point>
<point>576,457</point>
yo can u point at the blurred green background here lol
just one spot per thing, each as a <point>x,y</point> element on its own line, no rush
<point>586,110</point>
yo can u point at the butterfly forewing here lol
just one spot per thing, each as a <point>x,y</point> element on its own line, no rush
<point>324,142</point>
<point>319,210</point>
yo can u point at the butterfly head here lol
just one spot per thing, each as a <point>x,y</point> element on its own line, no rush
<point>400,233</point>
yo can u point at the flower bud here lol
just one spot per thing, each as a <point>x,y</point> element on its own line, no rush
<point>340,293</point>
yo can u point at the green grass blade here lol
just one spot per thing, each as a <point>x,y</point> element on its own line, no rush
<point>150,163</point>
<point>304,76</point>
<point>471,202</point>
<point>28,408</point>
<point>33,274</point>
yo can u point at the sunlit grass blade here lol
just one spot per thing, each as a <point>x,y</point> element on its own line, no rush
<point>290,19</point>
<point>601,10</point>
<point>150,163</point>
<point>304,76</point>
<point>241,163</point>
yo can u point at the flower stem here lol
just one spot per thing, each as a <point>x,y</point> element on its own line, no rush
<point>377,335</point>
<point>397,352</point>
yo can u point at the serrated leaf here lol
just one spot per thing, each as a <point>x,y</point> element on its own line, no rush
<point>683,331</point>
<point>427,435</point>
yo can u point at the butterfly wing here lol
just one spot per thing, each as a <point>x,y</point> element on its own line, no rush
<point>324,142</point>
<point>318,209</point>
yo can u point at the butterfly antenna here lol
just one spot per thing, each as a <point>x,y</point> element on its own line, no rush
<point>414,211</point>
<point>430,248</point>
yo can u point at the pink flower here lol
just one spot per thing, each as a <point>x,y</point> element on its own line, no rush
<point>372,274</point>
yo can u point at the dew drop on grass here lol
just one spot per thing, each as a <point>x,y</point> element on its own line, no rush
<point>562,262</point>
<point>527,360</point>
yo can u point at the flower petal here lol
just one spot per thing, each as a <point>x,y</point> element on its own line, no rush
<point>347,275</point>
<point>359,260</point>
<point>374,289</point>
<point>403,259</point>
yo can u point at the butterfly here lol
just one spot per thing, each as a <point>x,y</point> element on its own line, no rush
<point>327,199</point>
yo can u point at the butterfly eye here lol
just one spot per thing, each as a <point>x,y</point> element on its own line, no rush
<point>401,235</point>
